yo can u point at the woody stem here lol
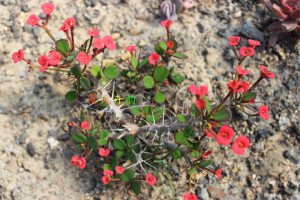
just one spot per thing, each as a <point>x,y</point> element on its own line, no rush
<point>222,102</point>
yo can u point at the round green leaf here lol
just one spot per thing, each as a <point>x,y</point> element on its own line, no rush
<point>163,45</point>
<point>79,137</point>
<point>159,97</point>
<point>119,144</point>
<point>107,167</point>
<point>180,137</point>
<point>158,110</point>
<point>103,134</point>
<point>176,154</point>
<point>179,55</point>
<point>161,73</point>
<point>120,154</point>
<point>250,95</point>
<point>136,187</point>
<point>148,82</point>
<point>129,139</point>
<point>159,50</point>
<point>113,162</point>
<point>127,175</point>
<point>191,171</point>
<point>71,96</point>
<point>222,115</point>
<point>131,157</point>
<point>76,72</point>
<point>62,46</point>
<point>111,72</point>
<point>136,110</point>
<point>136,148</point>
<point>92,142</point>
<point>195,154</point>
<point>181,118</point>
<point>102,142</point>
<point>143,63</point>
<point>85,83</point>
<point>205,163</point>
<point>95,70</point>
<point>134,62</point>
<point>177,78</point>
<point>148,109</point>
<point>152,118</point>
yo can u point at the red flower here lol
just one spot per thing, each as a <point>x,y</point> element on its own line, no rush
<point>206,154</point>
<point>251,100</point>
<point>83,58</point>
<point>199,91</point>
<point>167,23</point>
<point>225,135</point>
<point>80,162</point>
<point>119,169</point>
<point>263,112</point>
<point>234,40</point>
<point>73,124</point>
<point>266,73</point>
<point>241,72</point>
<point>210,133</point>
<point>85,125</point>
<point>200,103</point>
<point>33,20</point>
<point>17,56</point>
<point>47,8</point>
<point>234,86</point>
<point>240,145</point>
<point>244,51</point>
<point>108,173</point>
<point>98,43</point>
<point>109,42</point>
<point>130,48</point>
<point>150,179</point>
<point>170,52</point>
<point>54,58</point>
<point>43,61</point>
<point>218,173</point>
<point>189,196</point>
<point>170,44</point>
<point>93,33</point>
<point>104,152</point>
<point>70,22</point>
<point>253,43</point>
<point>153,58</point>
<point>105,180</point>
<point>244,86</point>
<point>64,28</point>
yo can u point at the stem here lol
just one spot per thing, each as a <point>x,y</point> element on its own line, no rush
<point>48,16</point>
<point>222,102</point>
<point>235,53</point>
<point>254,85</point>
<point>90,45</point>
<point>59,70</point>
<point>72,35</point>
<point>49,33</point>
<point>84,69</point>
<point>190,183</point>
<point>88,155</point>
<point>242,60</point>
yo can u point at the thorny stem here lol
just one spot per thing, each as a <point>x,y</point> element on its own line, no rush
<point>222,102</point>
<point>72,35</point>
<point>49,33</point>
<point>241,60</point>
<point>235,53</point>
<point>254,85</point>
<point>88,155</point>
<point>90,45</point>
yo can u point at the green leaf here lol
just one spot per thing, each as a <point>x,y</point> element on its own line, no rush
<point>196,145</point>
<point>103,134</point>
<point>179,55</point>
<point>102,142</point>
<point>163,45</point>
<point>189,144</point>
<point>158,110</point>
<point>250,95</point>
<point>131,157</point>
<point>189,131</point>
<point>113,162</point>
<point>82,118</point>
<point>195,154</point>
<point>148,82</point>
<point>127,175</point>
<point>72,56</point>
<point>194,110</point>
<point>175,45</point>
<point>95,70</point>
<point>107,167</point>
<point>79,137</point>
<point>119,144</point>
<point>94,131</point>
<point>205,163</point>
<point>136,111</point>
<point>180,137</point>
<point>78,146</point>
<point>76,72</point>
<point>148,109</point>
<point>134,62</point>
<point>62,46</point>
<point>207,103</point>
<point>143,63</point>
<point>136,187</point>
<point>159,50</point>
<point>159,97</point>
<point>131,74</point>
<point>181,118</point>
<point>111,72</point>
<point>161,73</point>
<point>177,78</point>
<point>85,83</point>
<point>120,154</point>
<point>129,139</point>
<point>71,96</point>
<point>176,154</point>
<point>191,171</point>
<point>92,142</point>
<point>136,148</point>
<point>222,115</point>
<point>152,118</point>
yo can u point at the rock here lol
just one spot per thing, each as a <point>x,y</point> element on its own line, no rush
<point>3,110</point>
<point>202,193</point>
<point>21,138</point>
<point>142,43</point>
<point>250,31</point>
<point>52,142</point>
<point>116,36</point>
<point>200,27</point>
<point>286,154</point>
<point>93,15</point>
<point>36,32</point>
<point>63,137</point>
<point>103,2</point>
<point>108,62</point>
<point>125,56</point>
<point>93,3</point>
<point>217,193</point>
<point>238,14</point>
<point>43,16</point>
<point>25,8</point>
<point>284,122</point>
<point>30,149</point>
<point>212,54</point>
<point>14,28</point>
